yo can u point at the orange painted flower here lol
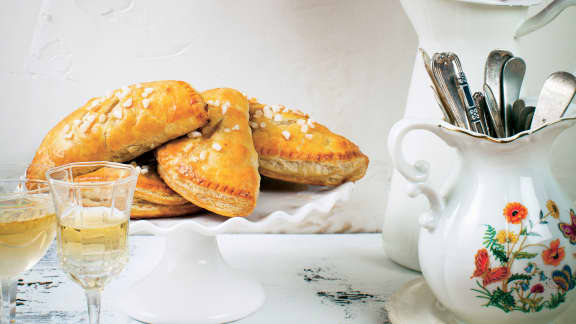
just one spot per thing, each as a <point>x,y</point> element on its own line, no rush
<point>554,254</point>
<point>515,212</point>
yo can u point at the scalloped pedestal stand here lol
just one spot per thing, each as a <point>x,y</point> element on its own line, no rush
<point>191,283</point>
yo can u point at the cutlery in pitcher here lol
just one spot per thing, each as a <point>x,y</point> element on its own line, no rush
<point>493,73</point>
<point>494,112</point>
<point>512,77</point>
<point>529,117</point>
<point>472,113</point>
<point>445,74</point>
<point>480,101</point>
<point>438,95</point>
<point>517,122</point>
<point>555,97</point>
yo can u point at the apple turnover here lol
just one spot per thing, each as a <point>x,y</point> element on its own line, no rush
<point>121,125</point>
<point>292,147</point>
<point>215,168</point>
<point>152,197</point>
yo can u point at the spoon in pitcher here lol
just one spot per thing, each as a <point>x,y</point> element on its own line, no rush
<point>512,78</point>
<point>493,73</point>
<point>557,93</point>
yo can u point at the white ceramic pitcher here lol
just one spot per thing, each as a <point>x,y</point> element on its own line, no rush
<point>471,29</point>
<point>499,246</point>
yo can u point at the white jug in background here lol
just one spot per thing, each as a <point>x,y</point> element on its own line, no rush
<point>470,28</point>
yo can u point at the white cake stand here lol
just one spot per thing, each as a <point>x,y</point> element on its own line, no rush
<point>192,283</point>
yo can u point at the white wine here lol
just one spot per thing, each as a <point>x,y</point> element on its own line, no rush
<point>92,244</point>
<point>27,228</point>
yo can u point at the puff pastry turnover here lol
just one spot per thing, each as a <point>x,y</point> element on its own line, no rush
<point>149,187</point>
<point>145,209</point>
<point>152,197</point>
<point>122,125</point>
<point>291,147</point>
<point>217,168</point>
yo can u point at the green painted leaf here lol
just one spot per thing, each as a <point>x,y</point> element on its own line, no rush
<point>525,255</point>
<point>534,233</point>
<point>556,299</point>
<point>519,276</point>
<point>489,236</point>
<point>502,300</point>
<point>498,250</point>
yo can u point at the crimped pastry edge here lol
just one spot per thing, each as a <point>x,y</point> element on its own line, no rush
<point>222,203</point>
<point>159,198</point>
<point>145,209</point>
<point>313,157</point>
<point>324,173</point>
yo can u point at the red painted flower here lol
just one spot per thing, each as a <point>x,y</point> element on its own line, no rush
<point>515,212</point>
<point>537,289</point>
<point>554,254</point>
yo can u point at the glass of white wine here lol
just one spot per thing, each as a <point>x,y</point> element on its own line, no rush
<point>93,214</point>
<point>27,228</point>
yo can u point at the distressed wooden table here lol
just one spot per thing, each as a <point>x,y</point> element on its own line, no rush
<point>342,278</point>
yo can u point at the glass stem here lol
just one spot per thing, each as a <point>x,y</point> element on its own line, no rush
<point>93,299</point>
<point>8,302</point>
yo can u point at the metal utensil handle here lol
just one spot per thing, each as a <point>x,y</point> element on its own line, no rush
<point>480,101</point>
<point>471,108</point>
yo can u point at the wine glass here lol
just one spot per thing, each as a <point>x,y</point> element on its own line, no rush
<point>93,215</point>
<point>27,228</point>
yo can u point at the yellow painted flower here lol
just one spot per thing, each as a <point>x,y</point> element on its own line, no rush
<point>505,236</point>
<point>552,209</point>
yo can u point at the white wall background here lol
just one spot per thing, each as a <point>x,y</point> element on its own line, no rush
<point>347,63</point>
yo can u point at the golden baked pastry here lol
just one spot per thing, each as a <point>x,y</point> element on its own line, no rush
<point>291,147</point>
<point>145,209</point>
<point>217,168</point>
<point>122,125</point>
<point>149,187</point>
<point>152,198</point>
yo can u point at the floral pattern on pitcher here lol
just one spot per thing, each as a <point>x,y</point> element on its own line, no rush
<point>533,288</point>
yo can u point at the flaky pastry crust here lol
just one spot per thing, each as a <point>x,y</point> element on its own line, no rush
<point>291,147</point>
<point>145,209</point>
<point>217,168</point>
<point>122,125</point>
<point>149,187</point>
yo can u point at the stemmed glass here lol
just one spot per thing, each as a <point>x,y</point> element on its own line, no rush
<point>27,228</point>
<point>93,215</point>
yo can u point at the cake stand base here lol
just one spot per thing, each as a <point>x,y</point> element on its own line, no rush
<point>191,283</point>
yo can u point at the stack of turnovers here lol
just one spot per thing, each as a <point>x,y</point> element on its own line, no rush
<point>197,150</point>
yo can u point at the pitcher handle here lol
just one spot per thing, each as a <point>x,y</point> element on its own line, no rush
<point>418,173</point>
<point>542,18</point>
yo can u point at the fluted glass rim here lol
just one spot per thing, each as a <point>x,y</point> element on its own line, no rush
<point>133,176</point>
